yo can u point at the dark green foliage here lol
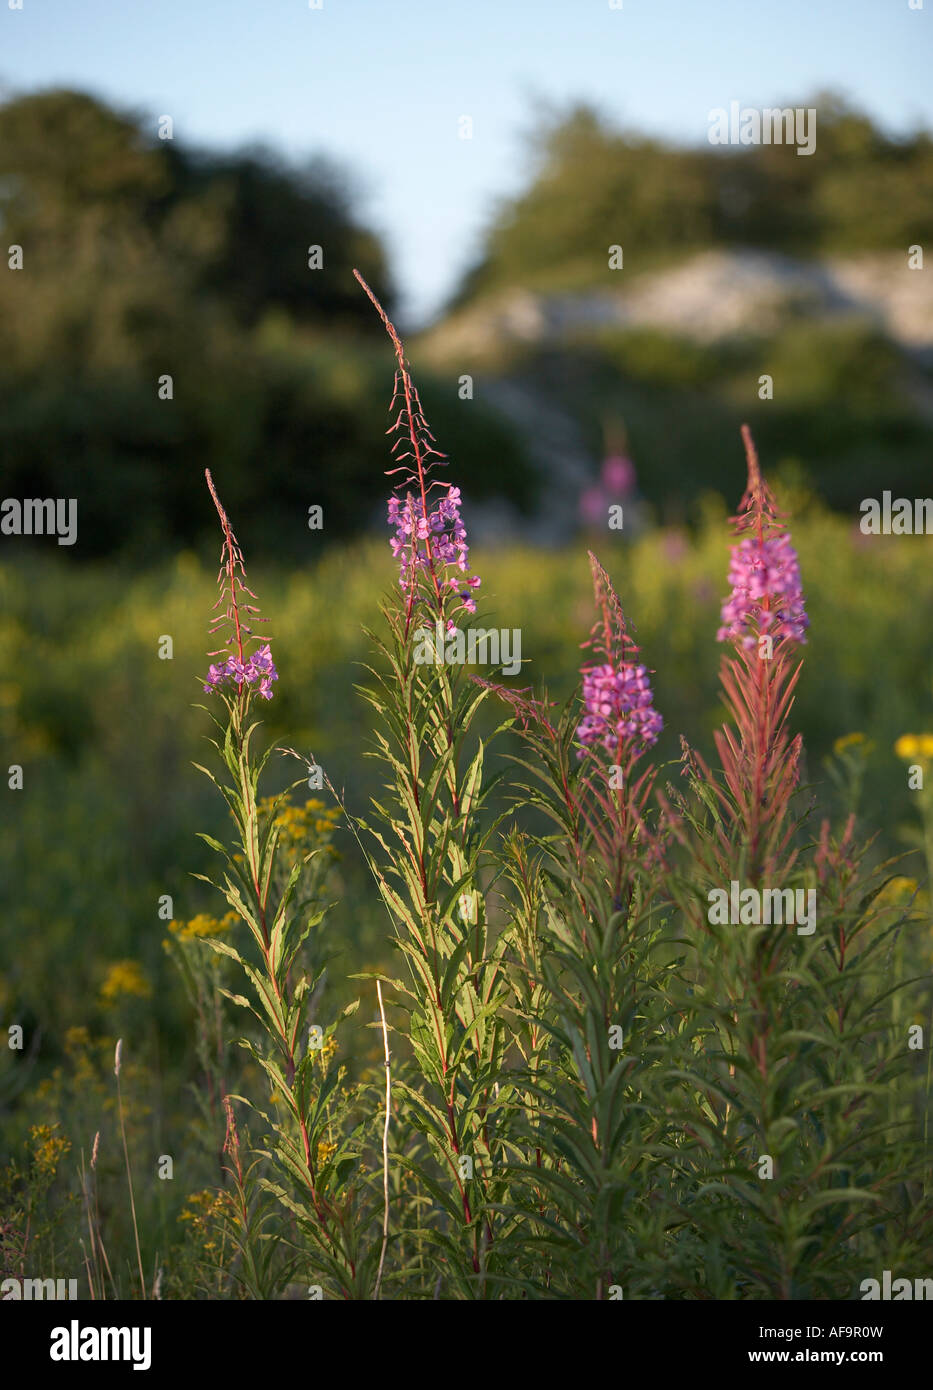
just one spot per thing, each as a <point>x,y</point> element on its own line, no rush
<point>594,187</point>
<point>144,260</point>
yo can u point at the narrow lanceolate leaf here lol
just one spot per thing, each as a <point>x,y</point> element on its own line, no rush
<point>280,922</point>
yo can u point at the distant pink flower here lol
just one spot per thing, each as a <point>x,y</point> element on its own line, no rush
<point>702,590</point>
<point>618,475</point>
<point>593,505</point>
<point>675,546</point>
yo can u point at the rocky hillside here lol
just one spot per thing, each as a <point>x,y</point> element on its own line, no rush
<point>712,296</point>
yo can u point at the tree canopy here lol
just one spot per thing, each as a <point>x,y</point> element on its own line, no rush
<point>593,186</point>
<point>166,318</point>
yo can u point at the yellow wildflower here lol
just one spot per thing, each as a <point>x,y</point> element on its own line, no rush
<point>855,740</point>
<point>204,925</point>
<point>325,1150</point>
<point>48,1149</point>
<point>124,977</point>
<point>898,892</point>
<point>326,1050</point>
<point>204,1210</point>
<point>915,747</point>
<point>77,1040</point>
<point>296,823</point>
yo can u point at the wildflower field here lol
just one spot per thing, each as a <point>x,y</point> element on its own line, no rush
<point>336,966</point>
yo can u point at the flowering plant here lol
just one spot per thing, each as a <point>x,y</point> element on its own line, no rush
<point>596,1083</point>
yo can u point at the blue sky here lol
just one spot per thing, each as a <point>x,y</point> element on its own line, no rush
<point>381,84</point>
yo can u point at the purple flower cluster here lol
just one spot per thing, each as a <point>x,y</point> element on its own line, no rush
<point>259,667</point>
<point>759,571</point>
<point>618,708</point>
<point>447,534</point>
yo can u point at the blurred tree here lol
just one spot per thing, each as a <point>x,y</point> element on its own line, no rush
<point>166,318</point>
<point>592,186</point>
<point>88,192</point>
<point>268,215</point>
